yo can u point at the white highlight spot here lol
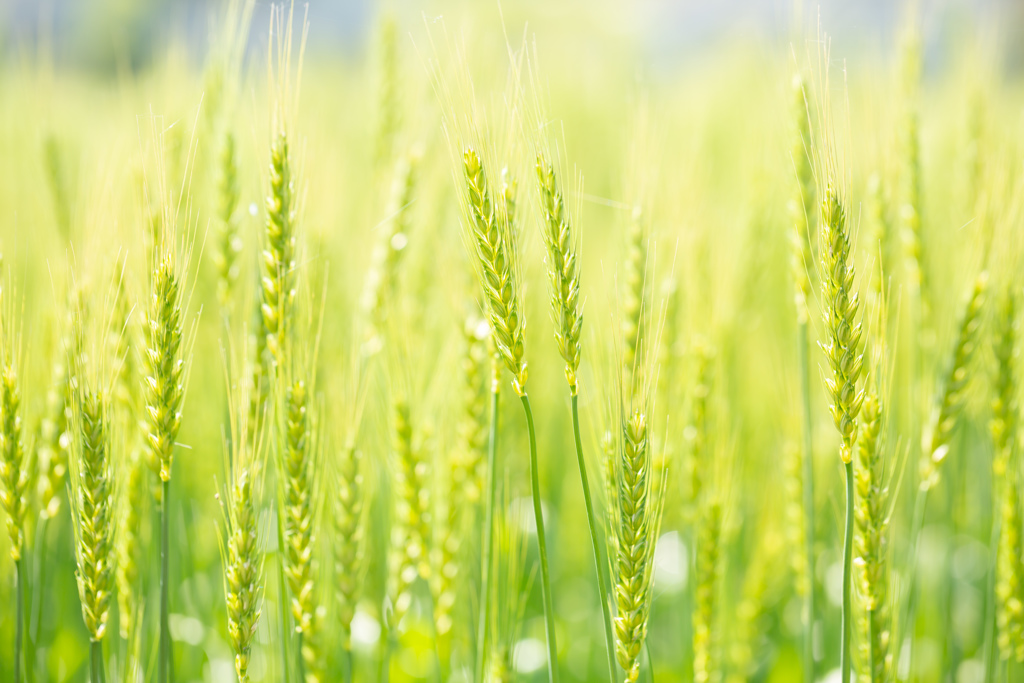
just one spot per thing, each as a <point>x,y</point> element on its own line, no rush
<point>670,562</point>
<point>186,629</point>
<point>365,630</point>
<point>529,655</point>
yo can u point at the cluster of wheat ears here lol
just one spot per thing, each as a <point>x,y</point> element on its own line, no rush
<point>378,521</point>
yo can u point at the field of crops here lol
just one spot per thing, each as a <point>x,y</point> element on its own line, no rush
<point>496,353</point>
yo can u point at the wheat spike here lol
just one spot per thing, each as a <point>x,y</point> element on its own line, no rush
<point>163,369</point>
<point>871,543</point>
<point>563,269</point>
<point>843,330</point>
<point>951,397</point>
<point>493,236</point>
<point>411,535</point>
<point>279,250</point>
<point>93,507</point>
<point>350,537</point>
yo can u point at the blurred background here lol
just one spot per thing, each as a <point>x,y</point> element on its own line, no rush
<point>79,78</point>
<point>103,35</point>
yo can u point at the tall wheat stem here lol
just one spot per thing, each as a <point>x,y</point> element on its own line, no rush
<point>488,540</point>
<point>19,588</point>
<point>803,343</point>
<point>545,580</point>
<point>165,575</point>
<point>845,664</point>
<point>603,580</point>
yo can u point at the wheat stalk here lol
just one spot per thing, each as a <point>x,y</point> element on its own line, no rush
<point>93,508</point>
<point>567,312</point>
<point>163,383</point>
<point>637,519</point>
<point>802,214</point>
<point>845,358</point>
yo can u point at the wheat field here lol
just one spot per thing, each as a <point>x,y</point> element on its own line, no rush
<point>501,348</point>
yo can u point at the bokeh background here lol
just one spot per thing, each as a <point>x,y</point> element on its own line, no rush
<point>80,78</point>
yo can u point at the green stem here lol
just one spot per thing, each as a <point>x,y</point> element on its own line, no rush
<point>910,612</point>
<point>484,624</point>
<point>990,587</point>
<point>845,665</point>
<point>545,580</point>
<point>346,663</point>
<point>803,342</point>
<point>299,660</point>
<point>38,578</point>
<point>19,586</point>
<point>603,580</point>
<point>96,661</point>
<point>164,673</point>
<point>283,598</point>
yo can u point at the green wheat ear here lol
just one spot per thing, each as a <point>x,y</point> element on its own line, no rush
<point>229,242</point>
<point>871,543</point>
<point>637,519</point>
<point>163,368</point>
<point>349,537</point>
<point>952,397</point>
<point>14,470</point>
<point>843,329</point>
<point>493,236</point>
<point>298,505</point>
<point>410,552</point>
<point>93,507</point>
<point>243,576</point>
<point>278,282</point>
<point>563,269</point>
<point>633,310</point>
